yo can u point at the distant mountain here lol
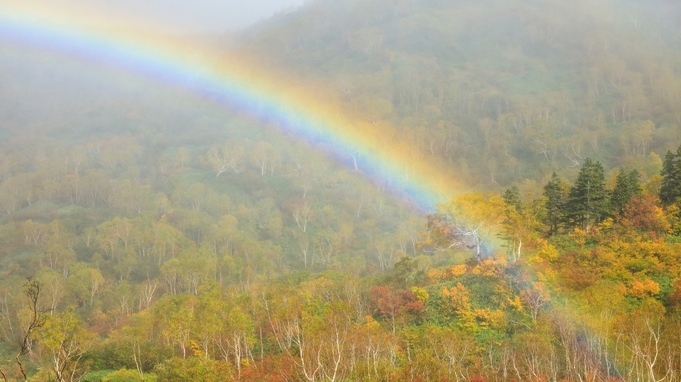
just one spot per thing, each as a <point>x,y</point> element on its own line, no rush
<point>504,90</point>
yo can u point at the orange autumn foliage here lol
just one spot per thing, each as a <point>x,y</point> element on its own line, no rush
<point>644,288</point>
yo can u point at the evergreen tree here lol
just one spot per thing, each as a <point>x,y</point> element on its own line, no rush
<point>634,182</point>
<point>587,201</point>
<point>670,189</point>
<point>626,187</point>
<point>512,198</point>
<point>553,192</point>
<point>512,214</point>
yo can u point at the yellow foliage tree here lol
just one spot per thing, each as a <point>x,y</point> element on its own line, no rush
<point>468,220</point>
<point>644,288</point>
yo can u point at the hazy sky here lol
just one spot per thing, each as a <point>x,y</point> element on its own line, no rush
<point>189,15</point>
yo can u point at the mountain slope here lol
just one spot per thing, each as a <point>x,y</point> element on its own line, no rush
<point>504,90</point>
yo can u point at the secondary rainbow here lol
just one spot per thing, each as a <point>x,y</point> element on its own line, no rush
<point>374,148</point>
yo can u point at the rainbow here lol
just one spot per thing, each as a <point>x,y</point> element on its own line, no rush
<point>423,181</point>
<point>376,149</point>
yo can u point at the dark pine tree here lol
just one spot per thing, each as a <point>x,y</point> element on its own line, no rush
<point>587,201</point>
<point>626,187</point>
<point>634,182</point>
<point>513,209</point>
<point>512,198</point>
<point>670,190</point>
<point>553,192</point>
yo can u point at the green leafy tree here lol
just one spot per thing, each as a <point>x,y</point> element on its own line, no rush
<point>522,223</point>
<point>175,316</point>
<point>66,340</point>
<point>193,369</point>
<point>84,283</point>
<point>133,345</point>
<point>235,338</point>
<point>125,375</point>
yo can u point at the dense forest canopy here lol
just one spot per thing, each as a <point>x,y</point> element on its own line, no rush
<point>151,233</point>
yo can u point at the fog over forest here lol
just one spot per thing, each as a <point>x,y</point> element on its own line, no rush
<point>171,16</point>
<point>356,190</point>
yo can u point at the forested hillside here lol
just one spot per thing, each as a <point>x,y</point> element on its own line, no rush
<point>150,233</point>
<point>503,90</point>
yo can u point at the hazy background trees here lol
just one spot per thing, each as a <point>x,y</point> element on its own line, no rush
<point>173,237</point>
